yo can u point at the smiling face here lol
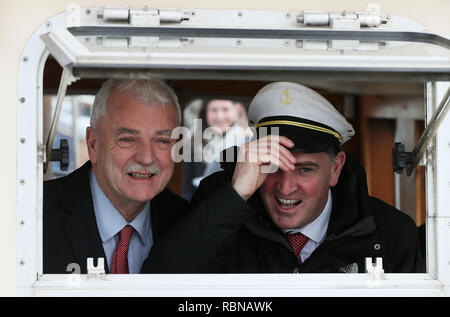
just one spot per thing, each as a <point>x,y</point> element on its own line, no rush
<point>295,199</point>
<point>130,150</point>
<point>221,114</point>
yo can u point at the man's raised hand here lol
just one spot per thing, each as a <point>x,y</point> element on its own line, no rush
<point>258,158</point>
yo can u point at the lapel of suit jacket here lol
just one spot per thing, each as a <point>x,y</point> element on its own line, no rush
<point>155,208</point>
<point>81,225</point>
<point>162,214</point>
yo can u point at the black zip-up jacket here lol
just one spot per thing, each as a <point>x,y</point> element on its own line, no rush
<point>223,233</point>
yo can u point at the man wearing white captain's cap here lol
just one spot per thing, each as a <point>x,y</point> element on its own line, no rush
<point>311,214</point>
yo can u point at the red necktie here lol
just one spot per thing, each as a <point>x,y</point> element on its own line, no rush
<point>297,242</point>
<point>120,257</point>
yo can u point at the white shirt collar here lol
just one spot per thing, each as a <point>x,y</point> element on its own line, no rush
<point>317,229</point>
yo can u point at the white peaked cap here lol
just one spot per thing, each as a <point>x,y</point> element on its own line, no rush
<point>285,103</point>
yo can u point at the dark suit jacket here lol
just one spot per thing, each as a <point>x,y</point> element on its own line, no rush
<point>70,228</point>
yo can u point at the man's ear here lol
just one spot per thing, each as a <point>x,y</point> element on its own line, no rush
<point>91,141</point>
<point>337,166</point>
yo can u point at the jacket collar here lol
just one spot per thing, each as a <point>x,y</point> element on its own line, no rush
<point>160,216</point>
<point>80,225</point>
<point>350,199</point>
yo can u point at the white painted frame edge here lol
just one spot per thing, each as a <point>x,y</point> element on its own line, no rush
<point>31,281</point>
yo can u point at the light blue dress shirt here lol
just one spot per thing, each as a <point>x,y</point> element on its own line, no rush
<point>110,222</point>
<point>315,231</point>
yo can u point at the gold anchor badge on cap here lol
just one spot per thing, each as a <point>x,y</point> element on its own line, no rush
<point>285,98</point>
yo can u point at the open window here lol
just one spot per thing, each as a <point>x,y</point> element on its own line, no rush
<point>384,73</point>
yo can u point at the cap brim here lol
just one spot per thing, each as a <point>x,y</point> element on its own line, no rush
<point>306,140</point>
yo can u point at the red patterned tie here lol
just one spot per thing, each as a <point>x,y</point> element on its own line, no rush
<point>120,257</point>
<point>297,242</point>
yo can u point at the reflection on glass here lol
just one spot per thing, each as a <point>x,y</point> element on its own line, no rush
<point>221,123</point>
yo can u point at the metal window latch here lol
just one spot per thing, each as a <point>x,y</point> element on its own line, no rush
<point>143,17</point>
<point>400,158</point>
<point>61,155</point>
<point>98,270</point>
<point>409,160</point>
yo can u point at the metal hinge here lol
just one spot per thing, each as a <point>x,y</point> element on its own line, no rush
<point>344,20</point>
<point>140,42</point>
<point>42,153</point>
<point>346,45</point>
<point>144,17</point>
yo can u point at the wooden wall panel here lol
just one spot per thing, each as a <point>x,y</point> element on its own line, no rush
<point>377,143</point>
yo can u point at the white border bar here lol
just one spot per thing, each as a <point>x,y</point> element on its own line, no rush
<point>31,282</point>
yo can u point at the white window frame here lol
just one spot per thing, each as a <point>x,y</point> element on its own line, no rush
<point>31,281</point>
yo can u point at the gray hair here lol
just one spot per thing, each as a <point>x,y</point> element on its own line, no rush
<point>146,90</point>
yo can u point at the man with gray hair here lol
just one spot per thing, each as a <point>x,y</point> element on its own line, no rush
<point>116,206</point>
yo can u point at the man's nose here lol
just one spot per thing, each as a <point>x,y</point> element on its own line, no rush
<point>286,183</point>
<point>145,154</point>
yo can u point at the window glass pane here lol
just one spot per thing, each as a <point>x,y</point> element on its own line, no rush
<point>73,120</point>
